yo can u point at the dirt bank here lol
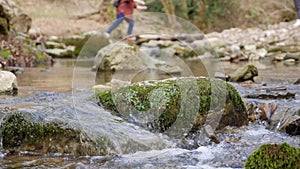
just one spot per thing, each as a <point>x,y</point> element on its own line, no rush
<point>58,17</point>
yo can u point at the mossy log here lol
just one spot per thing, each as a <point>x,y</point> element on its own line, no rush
<point>186,103</point>
<point>23,132</point>
<point>275,156</point>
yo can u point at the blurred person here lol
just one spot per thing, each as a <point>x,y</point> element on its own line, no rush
<point>297,6</point>
<point>125,9</point>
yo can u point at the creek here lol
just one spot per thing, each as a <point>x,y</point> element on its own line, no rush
<point>57,94</point>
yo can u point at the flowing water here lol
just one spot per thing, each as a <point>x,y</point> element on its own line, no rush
<point>48,91</point>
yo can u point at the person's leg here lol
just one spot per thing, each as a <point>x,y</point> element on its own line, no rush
<point>130,27</point>
<point>297,6</point>
<point>115,24</point>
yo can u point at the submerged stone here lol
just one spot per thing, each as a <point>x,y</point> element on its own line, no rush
<point>178,105</point>
<point>274,156</point>
<point>24,132</point>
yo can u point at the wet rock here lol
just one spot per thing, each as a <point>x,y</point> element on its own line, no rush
<point>68,52</point>
<point>169,49</point>
<point>244,73</point>
<point>261,52</point>
<point>26,132</point>
<point>261,112</point>
<point>127,57</point>
<point>274,156</point>
<point>280,115</point>
<point>289,61</point>
<point>297,82</point>
<point>279,57</point>
<point>183,104</point>
<point>217,42</point>
<point>183,51</point>
<point>293,128</point>
<point>8,82</point>
<point>294,56</point>
<point>271,95</point>
<point>286,119</point>
<point>250,48</point>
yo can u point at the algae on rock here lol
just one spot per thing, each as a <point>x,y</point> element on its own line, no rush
<point>186,103</point>
<point>275,156</point>
<point>22,132</point>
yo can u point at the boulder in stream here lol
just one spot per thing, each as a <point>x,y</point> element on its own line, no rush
<point>178,105</point>
<point>245,73</point>
<point>125,57</point>
<point>8,82</point>
<point>28,132</point>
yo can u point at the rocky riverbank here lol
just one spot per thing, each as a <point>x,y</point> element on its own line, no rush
<point>136,85</point>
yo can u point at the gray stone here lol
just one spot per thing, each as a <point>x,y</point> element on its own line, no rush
<point>68,52</point>
<point>289,61</point>
<point>8,82</point>
<point>126,57</point>
<point>245,73</point>
<point>295,56</point>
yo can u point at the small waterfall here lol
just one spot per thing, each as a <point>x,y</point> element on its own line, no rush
<point>122,137</point>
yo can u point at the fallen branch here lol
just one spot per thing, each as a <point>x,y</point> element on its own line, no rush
<point>87,15</point>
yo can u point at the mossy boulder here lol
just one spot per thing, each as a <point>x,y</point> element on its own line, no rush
<point>25,132</point>
<point>126,57</point>
<point>244,73</point>
<point>275,156</point>
<point>182,103</point>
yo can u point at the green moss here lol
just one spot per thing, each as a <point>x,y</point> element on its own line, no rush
<point>24,132</point>
<point>5,53</point>
<point>170,97</point>
<point>275,156</point>
<point>33,51</point>
<point>17,130</point>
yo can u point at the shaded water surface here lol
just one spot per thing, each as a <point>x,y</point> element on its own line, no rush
<point>49,91</point>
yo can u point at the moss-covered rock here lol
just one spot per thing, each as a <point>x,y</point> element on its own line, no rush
<point>184,102</point>
<point>244,73</point>
<point>24,132</point>
<point>275,156</point>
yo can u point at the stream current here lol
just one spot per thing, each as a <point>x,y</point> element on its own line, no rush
<point>48,91</point>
